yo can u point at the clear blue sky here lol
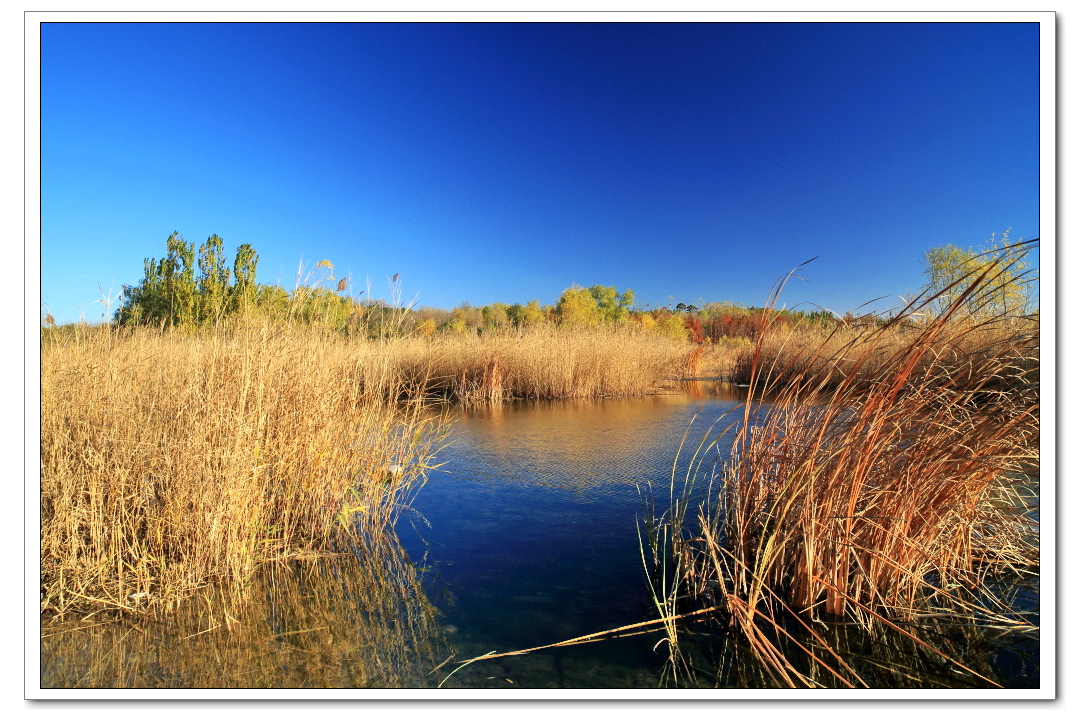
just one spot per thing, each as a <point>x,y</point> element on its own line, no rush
<point>505,162</point>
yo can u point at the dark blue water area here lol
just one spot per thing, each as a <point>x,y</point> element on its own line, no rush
<point>529,533</point>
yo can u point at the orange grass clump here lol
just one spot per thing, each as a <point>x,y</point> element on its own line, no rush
<point>887,479</point>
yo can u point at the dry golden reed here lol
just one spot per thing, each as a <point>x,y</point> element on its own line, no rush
<point>995,353</point>
<point>544,362</point>
<point>171,459</point>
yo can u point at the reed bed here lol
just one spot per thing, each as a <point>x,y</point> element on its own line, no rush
<point>719,359</point>
<point>544,362</point>
<point>890,480</point>
<point>982,356</point>
<point>173,459</point>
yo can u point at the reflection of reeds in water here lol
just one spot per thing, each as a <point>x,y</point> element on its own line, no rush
<point>877,488</point>
<point>352,620</point>
<point>847,655</point>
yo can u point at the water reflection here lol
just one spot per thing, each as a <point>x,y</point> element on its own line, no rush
<point>527,536</point>
<point>582,444</point>
<point>952,655</point>
<point>345,621</point>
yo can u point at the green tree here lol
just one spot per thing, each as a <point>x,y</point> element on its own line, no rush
<point>244,286</point>
<point>214,278</point>
<point>272,300</point>
<point>167,293</point>
<point>180,289</point>
<point>673,327</point>
<point>528,315</point>
<point>471,318</point>
<point>1007,289</point>
<point>496,315</point>
<point>612,305</point>
<point>516,313</point>
<point>533,314</point>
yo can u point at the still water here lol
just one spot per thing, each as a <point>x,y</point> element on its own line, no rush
<point>529,534</point>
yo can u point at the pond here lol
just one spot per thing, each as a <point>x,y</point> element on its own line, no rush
<point>527,535</point>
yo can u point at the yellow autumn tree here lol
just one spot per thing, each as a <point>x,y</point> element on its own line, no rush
<point>577,307</point>
<point>951,271</point>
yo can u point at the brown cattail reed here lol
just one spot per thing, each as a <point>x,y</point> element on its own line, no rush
<point>542,362</point>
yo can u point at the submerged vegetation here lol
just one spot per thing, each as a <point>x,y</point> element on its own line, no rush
<point>220,433</point>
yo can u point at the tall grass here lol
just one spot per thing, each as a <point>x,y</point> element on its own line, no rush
<point>172,459</point>
<point>886,482</point>
<point>995,357</point>
<point>542,362</point>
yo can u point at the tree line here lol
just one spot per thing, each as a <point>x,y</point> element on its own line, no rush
<point>192,286</point>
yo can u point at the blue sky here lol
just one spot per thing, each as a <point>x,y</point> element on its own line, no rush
<point>505,162</point>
